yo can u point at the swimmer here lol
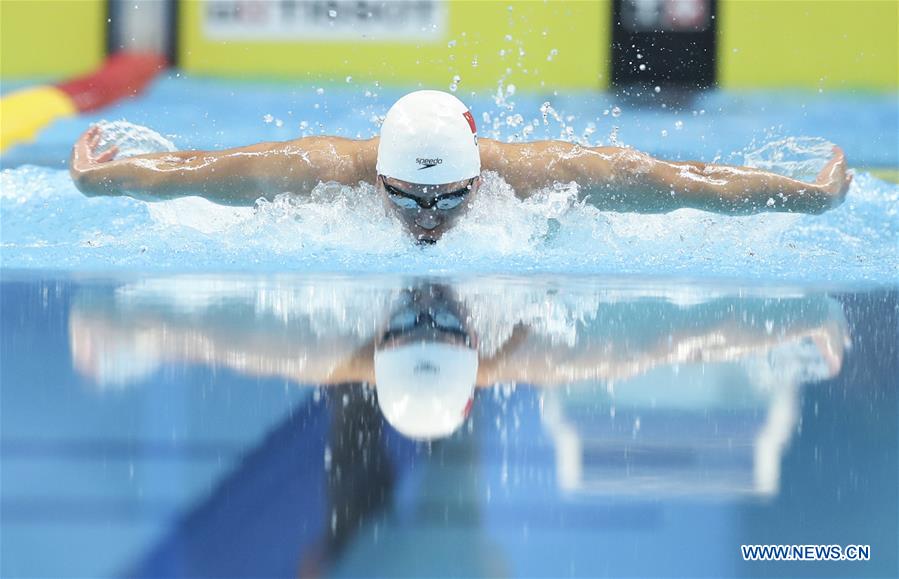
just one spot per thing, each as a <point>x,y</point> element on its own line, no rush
<point>426,165</point>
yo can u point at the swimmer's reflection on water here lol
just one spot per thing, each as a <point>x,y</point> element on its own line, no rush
<point>427,346</point>
<point>380,350</point>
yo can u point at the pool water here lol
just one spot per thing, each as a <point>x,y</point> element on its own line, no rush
<point>47,224</point>
<point>201,425</point>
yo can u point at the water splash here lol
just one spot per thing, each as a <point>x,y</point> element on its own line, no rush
<point>47,223</point>
<point>797,157</point>
<point>134,139</point>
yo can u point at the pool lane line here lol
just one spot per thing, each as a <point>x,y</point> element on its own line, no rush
<point>24,113</point>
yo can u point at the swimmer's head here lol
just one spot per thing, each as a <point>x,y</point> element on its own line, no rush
<point>428,161</point>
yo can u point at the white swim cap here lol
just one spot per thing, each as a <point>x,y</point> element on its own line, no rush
<point>425,389</point>
<point>429,137</point>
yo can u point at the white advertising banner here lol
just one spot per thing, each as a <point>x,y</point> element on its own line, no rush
<point>325,20</point>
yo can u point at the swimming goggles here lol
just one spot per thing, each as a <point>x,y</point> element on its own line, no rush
<point>443,202</point>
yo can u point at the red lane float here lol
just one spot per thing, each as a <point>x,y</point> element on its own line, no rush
<point>24,113</point>
<point>123,75</point>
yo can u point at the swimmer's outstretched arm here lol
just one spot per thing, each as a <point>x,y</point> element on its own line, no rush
<point>618,179</point>
<point>232,177</point>
<point>723,330</point>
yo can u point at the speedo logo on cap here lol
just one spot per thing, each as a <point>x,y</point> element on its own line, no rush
<point>428,163</point>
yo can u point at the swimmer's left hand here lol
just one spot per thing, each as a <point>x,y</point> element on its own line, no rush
<point>85,159</point>
<point>84,153</point>
<point>834,179</point>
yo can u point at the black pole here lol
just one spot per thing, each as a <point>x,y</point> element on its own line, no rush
<point>112,18</point>
<point>664,43</point>
<point>173,17</point>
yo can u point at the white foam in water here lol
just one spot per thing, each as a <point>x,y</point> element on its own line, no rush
<point>47,223</point>
<point>198,213</point>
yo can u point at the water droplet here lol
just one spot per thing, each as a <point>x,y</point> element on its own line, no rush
<point>552,54</point>
<point>664,133</point>
<point>319,90</point>
<point>474,62</point>
<point>616,112</point>
<point>268,119</point>
<point>642,66</point>
<point>349,79</point>
<point>332,13</point>
<point>514,120</point>
<point>678,125</point>
<point>658,89</point>
<point>451,44</point>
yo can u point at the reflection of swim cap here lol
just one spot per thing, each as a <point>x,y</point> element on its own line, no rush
<point>425,388</point>
<point>429,137</point>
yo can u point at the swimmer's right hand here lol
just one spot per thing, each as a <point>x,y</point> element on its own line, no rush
<point>85,160</point>
<point>834,179</point>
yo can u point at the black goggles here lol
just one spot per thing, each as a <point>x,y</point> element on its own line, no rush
<point>443,202</point>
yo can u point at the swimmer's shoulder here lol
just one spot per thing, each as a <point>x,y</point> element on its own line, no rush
<point>367,157</point>
<point>354,159</point>
<point>494,152</point>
